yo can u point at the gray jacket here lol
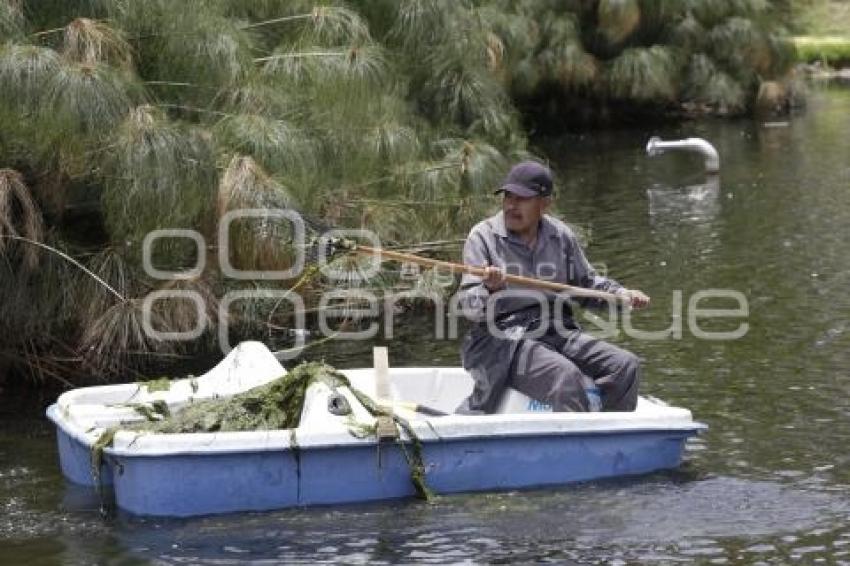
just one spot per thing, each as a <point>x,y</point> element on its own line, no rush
<point>557,256</point>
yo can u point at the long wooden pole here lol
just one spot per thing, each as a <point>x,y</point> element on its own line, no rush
<point>480,272</point>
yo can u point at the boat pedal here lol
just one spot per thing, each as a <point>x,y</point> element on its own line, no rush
<point>386,429</point>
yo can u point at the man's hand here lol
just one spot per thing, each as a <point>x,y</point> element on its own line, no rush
<point>636,299</point>
<point>494,278</point>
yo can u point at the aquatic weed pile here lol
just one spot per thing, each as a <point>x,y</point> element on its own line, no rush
<point>273,406</point>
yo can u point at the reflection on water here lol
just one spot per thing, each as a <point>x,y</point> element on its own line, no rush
<point>768,483</point>
<point>653,518</point>
<point>691,204</point>
<point>670,516</point>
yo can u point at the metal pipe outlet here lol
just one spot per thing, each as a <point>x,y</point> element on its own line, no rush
<point>712,159</point>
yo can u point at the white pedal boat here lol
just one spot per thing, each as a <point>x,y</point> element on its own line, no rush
<point>322,462</point>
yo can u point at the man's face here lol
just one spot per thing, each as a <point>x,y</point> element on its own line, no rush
<point>523,213</point>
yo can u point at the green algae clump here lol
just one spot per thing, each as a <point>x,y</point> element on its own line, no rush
<point>276,405</point>
<point>273,406</point>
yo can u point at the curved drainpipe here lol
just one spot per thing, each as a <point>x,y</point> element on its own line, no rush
<point>712,159</point>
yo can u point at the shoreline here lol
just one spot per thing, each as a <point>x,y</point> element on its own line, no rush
<point>819,71</point>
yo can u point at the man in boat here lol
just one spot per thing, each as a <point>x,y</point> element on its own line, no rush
<point>527,338</point>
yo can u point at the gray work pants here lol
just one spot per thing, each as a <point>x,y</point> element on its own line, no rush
<point>551,369</point>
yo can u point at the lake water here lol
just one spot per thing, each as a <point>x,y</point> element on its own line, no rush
<point>769,483</point>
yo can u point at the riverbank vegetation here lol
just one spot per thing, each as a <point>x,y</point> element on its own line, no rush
<point>819,18</point>
<point>119,117</point>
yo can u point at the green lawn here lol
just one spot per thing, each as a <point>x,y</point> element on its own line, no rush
<point>824,30</point>
<point>831,49</point>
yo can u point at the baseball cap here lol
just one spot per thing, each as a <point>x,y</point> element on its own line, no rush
<point>528,179</point>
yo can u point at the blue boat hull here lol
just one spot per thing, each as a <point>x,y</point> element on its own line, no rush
<point>194,484</point>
